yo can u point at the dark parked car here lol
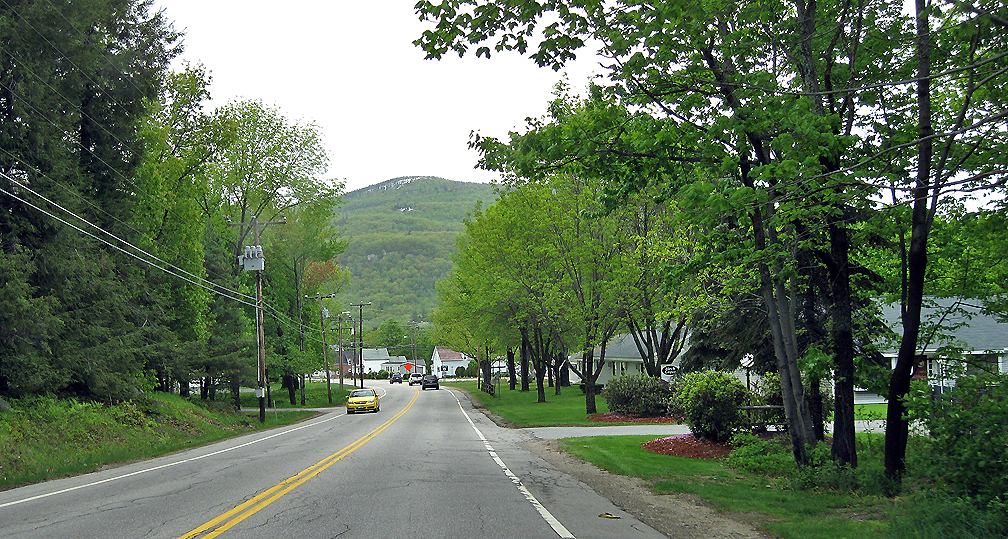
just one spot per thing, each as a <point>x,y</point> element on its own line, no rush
<point>395,379</point>
<point>430,381</point>
<point>415,378</point>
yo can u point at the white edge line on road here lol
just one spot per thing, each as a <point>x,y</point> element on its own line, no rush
<point>547,516</point>
<point>170,464</point>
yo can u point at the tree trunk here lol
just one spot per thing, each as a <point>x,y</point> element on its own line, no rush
<point>524,356</point>
<point>587,368</point>
<point>512,381</point>
<point>557,363</point>
<point>844,451</point>
<point>292,386</point>
<point>236,393</point>
<point>899,382</point>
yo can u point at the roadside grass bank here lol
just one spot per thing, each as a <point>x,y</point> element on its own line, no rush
<point>521,409</point>
<point>316,395</point>
<point>46,438</point>
<point>770,502</point>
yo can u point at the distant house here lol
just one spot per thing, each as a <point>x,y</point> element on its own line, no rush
<point>981,341</point>
<point>445,361</point>
<point>622,358</point>
<point>374,358</point>
<point>398,365</point>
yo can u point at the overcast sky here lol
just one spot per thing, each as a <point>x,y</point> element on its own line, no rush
<point>351,67</point>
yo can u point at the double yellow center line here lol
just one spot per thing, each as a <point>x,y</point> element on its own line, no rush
<point>226,521</point>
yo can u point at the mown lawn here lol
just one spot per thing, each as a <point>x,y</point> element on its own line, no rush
<point>521,408</point>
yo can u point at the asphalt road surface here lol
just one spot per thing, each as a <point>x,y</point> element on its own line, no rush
<point>426,466</point>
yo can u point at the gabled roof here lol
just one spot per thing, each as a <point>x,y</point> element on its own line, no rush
<point>619,348</point>
<point>447,354</point>
<point>979,331</point>
<point>371,354</point>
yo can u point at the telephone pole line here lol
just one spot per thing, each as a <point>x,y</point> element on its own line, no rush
<point>253,260</point>
<point>360,336</point>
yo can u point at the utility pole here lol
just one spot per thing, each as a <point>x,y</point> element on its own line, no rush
<point>253,260</point>
<point>360,336</point>
<point>341,354</point>
<point>415,327</point>
<point>323,314</point>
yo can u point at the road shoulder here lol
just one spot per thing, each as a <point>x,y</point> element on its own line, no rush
<point>677,516</point>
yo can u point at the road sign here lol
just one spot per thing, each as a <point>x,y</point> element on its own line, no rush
<point>409,367</point>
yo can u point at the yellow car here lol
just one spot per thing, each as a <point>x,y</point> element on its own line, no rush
<point>362,399</point>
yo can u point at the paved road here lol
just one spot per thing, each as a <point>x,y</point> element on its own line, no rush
<point>426,465</point>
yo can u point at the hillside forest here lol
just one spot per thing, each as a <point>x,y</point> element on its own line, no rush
<point>399,236</point>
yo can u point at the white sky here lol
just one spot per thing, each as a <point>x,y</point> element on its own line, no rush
<point>351,67</point>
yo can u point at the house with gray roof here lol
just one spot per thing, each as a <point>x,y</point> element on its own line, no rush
<point>956,338</point>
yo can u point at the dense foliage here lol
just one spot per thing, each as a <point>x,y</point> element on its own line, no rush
<point>120,273</point>
<point>638,395</point>
<point>709,401</point>
<point>968,430</point>
<point>782,126</point>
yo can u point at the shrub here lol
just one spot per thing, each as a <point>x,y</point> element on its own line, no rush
<point>969,434</point>
<point>751,454</point>
<point>638,395</point>
<point>709,401</point>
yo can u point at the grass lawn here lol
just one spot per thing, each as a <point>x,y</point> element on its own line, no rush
<point>316,395</point>
<point>46,438</point>
<point>870,411</point>
<point>785,512</point>
<point>521,409</point>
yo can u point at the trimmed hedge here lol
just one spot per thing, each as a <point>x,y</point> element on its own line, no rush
<point>638,395</point>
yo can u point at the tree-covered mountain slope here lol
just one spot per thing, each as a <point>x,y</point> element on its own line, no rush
<point>400,235</point>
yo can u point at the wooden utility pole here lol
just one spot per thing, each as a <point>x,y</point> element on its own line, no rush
<point>253,260</point>
<point>360,337</point>
<point>341,354</point>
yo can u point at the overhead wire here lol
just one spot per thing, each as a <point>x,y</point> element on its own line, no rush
<point>150,259</point>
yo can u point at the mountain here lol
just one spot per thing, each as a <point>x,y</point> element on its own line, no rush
<point>400,235</point>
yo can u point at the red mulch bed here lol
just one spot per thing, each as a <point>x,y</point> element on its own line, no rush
<point>685,445</point>
<point>681,445</point>
<point>614,417</point>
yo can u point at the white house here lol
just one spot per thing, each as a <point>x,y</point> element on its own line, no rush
<point>374,358</point>
<point>969,341</point>
<point>622,358</point>
<point>398,365</point>
<point>445,361</point>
